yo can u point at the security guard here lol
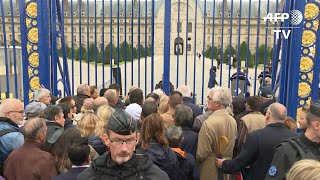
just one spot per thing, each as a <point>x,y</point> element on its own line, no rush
<point>305,146</point>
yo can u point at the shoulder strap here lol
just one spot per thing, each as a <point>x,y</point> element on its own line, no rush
<point>6,131</point>
<point>302,149</point>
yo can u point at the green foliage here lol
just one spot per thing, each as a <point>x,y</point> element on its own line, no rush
<point>251,61</point>
<point>93,49</point>
<point>83,53</point>
<point>125,50</point>
<point>142,50</point>
<point>243,51</point>
<point>135,53</point>
<point>211,53</point>
<point>261,52</point>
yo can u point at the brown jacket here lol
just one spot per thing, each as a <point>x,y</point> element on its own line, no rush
<point>220,123</point>
<point>30,162</point>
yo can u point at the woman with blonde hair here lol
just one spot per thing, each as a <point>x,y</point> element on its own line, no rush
<point>163,105</point>
<point>104,113</point>
<point>306,169</point>
<point>87,126</point>
<point>154,143</point>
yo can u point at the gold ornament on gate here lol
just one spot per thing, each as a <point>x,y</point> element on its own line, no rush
<point>308,38</point>
<point>306,64</point>
<point>34,83</point>
<point>311,11</point>
<point>304,89</point>
<point>34,59</point>
<point>31,10</point>
<point>33,35</point>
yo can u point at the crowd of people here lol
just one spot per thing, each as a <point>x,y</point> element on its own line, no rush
<point>100,135</point>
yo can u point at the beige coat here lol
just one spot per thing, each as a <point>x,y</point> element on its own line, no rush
<point>220,123</point>
<point>254,121</point>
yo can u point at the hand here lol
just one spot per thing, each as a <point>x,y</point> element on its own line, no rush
<point>219,162</point>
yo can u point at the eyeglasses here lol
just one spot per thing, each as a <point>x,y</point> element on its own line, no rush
<point>209,98</point>
<point>21,112</point>
<point>119,142</point>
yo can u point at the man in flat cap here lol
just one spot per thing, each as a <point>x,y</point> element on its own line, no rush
<point>121,162</point>
<point>305,146</point>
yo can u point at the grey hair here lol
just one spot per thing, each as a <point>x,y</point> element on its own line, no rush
<point>39,93</point>
<point>81,88</point>
<point>185,91</point>
<point>277,112</point>
<point>111,95</point>
<point>221,94</point>
<point>33,127</point>
<point>174,135</point>
<point>183,116</point>
<point>8,105</point>
<point>51,112</point>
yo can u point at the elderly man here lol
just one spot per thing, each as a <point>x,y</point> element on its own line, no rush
<point>99,101</point>
<point>260,145</point>
<point>83,92</point>
<point>183,117</point>
<point>187,94</point>
<point>219,124</point>
<point>121,162</point>
<point>55,123</point>
<point>305,146</point>
<point>111,96</point>
<point>30,161</point>
<point>34,109</point>
<point>42,95</point>
<point>11,115</point>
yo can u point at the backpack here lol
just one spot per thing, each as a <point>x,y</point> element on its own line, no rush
<point>303,151</point>
<point>3,132</point>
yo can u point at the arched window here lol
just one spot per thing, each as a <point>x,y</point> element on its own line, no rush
<point>190,27</point>
<point>179,24</point>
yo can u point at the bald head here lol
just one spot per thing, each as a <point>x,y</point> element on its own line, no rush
<point>32,129</point>
<point>277,111</point>
<point>99,101</point>
<point>111,96</point>
<point>13,109</point>
<point>185,91</point>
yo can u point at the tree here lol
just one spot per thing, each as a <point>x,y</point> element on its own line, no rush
<point>135,53</point>
<point>243,51</point>
<point>77,53</point>
<point>142,50</point>
<point>261,52</point>
<point>251,61</point>
<point>93,49</point>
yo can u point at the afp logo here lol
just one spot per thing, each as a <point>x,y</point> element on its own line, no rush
<point>296,19</point>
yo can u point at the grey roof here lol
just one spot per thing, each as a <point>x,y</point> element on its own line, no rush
<point>89,7</point>
<point>236,8</point>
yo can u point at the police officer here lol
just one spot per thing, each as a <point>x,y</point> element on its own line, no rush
<point>121,162</point>
<point>305,146</point>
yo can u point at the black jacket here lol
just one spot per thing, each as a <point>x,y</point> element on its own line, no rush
<point>54,132</point>
<point>287,154</point>
<point>164,158</point>
<point>188,168</point>
<point>71,175</point>
<point>190,141</point>
<point>79,99</point>
<point>138,167</point>
<point>258,150</point>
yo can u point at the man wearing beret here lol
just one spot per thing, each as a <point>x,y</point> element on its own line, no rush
<point>305,146</point>
<point>121,162</point>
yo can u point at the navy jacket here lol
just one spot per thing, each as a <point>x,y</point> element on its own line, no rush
<point>97,144</point>
<point>258,150</point>
<point>164,158</point>
<point>195,108</point>
<point>71,175</point>
<point>190,141</point>
<point>188,168</point>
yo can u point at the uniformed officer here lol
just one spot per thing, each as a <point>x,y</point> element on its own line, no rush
<point>305,146</point>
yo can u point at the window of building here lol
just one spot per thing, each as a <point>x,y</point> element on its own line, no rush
<point>129,38</point>
<point>9,28</point>
<point>149,30</point>
<point>91,37</point>
<point>149,39</point>
<point>208,39</point>
<point>65,29</point>
<point>247,22</point>
<point>121,38</point>
<point>74,38</point>
<point>228,39</point>
<point>91,29</point>
<point>113,30</point>
<point>208,31</point>
<point>189,47</point>
<point>190,27</point>
<point>1,37</point>
<point>269,39</point>
<point>219,39</point>
<point>130,30</point>
<point>247,31</point>
<point>74,30</point>
<point>209,21</point>
<point>91,20</point>
<point>219,30</point>
<point>121,30</point>
<point>121,21</point>
<point>112,38</point>
<point>112,21</point>
<point>269,31</point>
<point>19,37</point>
<point>18,29</point>
<point>179,24</point>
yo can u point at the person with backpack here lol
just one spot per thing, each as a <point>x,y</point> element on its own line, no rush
<point>11,115</point>
<point>305,146</point>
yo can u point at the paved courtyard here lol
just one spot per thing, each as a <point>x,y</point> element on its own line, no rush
<point>200,69</point>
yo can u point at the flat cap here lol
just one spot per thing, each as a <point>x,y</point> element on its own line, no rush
<point>122,123</point>
<point>266,92</point>
<point>315,109</point>
<point>34,109</point>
